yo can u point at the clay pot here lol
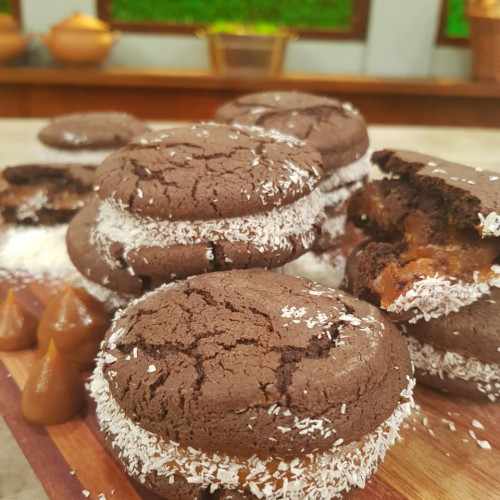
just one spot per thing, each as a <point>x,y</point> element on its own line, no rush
<point>12,42</point>
<point>80,39</point>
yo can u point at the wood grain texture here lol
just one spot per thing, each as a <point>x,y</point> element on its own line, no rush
<point>430,462</point>
<point>166,94</point>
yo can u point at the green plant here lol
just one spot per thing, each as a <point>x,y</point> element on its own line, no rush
<point>5,7</point>
<point>319,14</point>
<point>244,29</point>
<point>456,24</point>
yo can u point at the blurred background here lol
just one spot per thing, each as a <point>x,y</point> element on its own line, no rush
<point>401,61</point>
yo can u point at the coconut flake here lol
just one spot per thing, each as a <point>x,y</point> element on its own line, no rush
<point>454,365</point>
<point>30,254</point>
<point>477,424</point>
<point>433,297</point>
<point>272,230</point>
<point>348,174</point>
<point>489,225</point>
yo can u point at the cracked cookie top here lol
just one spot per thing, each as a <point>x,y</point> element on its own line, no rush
<point>251,362</point>
<point>334,128</point>
<point>208,171</point>
<point>96,130</point>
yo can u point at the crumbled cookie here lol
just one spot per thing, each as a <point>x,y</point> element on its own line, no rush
<point>433,264</point>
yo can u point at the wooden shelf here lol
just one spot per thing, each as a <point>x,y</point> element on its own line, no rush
<point>196,79</point>
<point>168,94</point>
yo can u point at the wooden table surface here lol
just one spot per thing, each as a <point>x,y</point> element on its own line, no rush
<point>438,457</point>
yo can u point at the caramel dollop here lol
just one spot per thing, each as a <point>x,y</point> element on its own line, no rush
<point>54,391</point>
<point>77,322</point>
<point>17,326</point>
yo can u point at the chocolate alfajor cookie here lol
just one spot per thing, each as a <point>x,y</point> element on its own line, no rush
<point>338,132</point>
<point>185,201</point>
<point>251,384</point>
<point>433,264</point>
<point>87,137</point>
<point>44,193</point>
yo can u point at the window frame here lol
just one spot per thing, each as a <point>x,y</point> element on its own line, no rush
<point>357,31</point>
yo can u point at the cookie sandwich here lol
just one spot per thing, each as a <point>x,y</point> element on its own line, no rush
<point>36,203</point>
<point>44,193</point>
<point>250,384</point>
<point>433,264</point>
<point>338,131</point>
<point>186,201</point>
<point>86,137</point>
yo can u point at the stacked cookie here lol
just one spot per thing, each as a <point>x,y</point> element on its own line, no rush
<point>86,137</point>
<point>38,199</point>
<point>251,385</point>
<point>434,265</point>
<point>52,189</point>
<point>338,132</point>
<point>185,201</point>
<point>244,383</point>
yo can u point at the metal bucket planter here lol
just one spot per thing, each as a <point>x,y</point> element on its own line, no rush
<point>247,55</point>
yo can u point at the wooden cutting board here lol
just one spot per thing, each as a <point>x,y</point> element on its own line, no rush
<point>437,457</point>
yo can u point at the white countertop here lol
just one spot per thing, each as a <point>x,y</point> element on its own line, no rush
<point>470,146</point>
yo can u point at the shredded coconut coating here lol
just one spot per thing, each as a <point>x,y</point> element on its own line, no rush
<point>318,268</point>
<point>454,365</point>
<point>271,230</point>
<point>489,225</point>
<point>336,190</point>
<point>47,154</point>
<point>432,297</point>
<point>338,197</point>
<point>334,226</point>
<point>353,172</point>
<point>39,253</point>
<point>29,209</point>
<point>323,475</point>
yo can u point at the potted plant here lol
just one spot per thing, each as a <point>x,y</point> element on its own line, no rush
<point>247,50</point>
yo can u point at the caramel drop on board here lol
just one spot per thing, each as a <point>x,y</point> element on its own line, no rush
<point>77,322</point>
<point>54,391</point>
<point>17,326</point>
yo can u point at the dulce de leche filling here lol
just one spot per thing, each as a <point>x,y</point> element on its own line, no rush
<point>76,322</point>
<point>459,256</point>
<point>54,391</point>
<point>63,200</point>
<point>17,325</point>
